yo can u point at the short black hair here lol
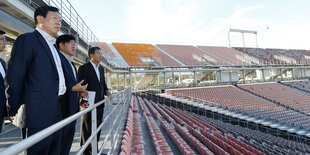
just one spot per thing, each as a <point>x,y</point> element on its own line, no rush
<point>64,39</point>
<point>42,11</point>
<point>2,32</point>
<point>92,50</point>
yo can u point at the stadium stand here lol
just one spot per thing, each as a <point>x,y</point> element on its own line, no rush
<point>105,47</point>
<point>190,55</point>
<point>149,127</point>
<point>266,143</point>
<point>133,53</point>
<point>265,56</point>
<point>281,94</point>
<point>166,60</point>
<point>242,102</point>
<point>278,56</point>
<point>229,54</point>
<point>301,85</point>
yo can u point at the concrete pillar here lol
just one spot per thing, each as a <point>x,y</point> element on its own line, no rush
<point>219,79</point>
<point>172,75</point>
<point>293,74</point>
<point>195,78</point>
<point>158,79</point>
<point>109,80</point>
<point>263,74</point>
<point>180,78</point>
<point>117,76</point>
<point>130,79</point>
<point>125,80</point>
<point>165,75</point>
<point>243,76</point>
<point>281,72</point>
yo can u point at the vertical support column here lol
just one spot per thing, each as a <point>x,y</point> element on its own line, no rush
<point>263,74</point>
<point>219,79</point>
<point>301,73</point>
<point>195,78</point>
<point>243,76</point>
<point>243,39</point>
<point>293,74</point>
<point>180,78</point>
<point>109,79</point>
<point>281,72</point>
<point>172,75</point>
<point>130,80</point>
<point>165,75</point>
<point>230,78</point>
<point>117,76</point>
<point>158,80</point>
<point>125,80</point>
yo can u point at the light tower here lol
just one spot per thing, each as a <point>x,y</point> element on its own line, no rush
<point>242,32</point>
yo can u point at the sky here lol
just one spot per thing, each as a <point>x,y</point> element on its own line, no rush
<point>279,23</point>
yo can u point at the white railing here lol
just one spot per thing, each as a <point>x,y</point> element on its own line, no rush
<point>120,98</point>
<point>72,18</point>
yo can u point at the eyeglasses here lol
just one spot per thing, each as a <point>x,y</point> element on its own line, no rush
<point>72,43</point>
<point>3,39</point>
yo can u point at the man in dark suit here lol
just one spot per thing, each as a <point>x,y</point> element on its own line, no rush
<point>70,104</point>
<point>3,112</point>
<point>93,74</point>
<point>35,79</point>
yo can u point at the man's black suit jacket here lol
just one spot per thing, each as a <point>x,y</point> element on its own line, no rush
<point>33,80</point>
<point>88,74</point>
<point>70,101</point>
<point>3,112</point>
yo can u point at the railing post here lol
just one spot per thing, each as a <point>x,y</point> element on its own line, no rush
<point>91,101</point>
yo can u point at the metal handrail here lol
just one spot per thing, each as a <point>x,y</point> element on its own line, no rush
<point>71,16</point>
<point>28,142</point>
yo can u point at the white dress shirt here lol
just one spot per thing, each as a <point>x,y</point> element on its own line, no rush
<point>70,59</point>
<point>51,42</point>
<point>96,69</point>
<point>2,70</point>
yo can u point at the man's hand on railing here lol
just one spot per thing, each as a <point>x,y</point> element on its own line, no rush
<point>79,88</point>
<point>84,105</point>
<point>109,94</point>
<point>12,117</point>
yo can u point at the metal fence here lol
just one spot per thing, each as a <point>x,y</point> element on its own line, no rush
<point>120,100</point>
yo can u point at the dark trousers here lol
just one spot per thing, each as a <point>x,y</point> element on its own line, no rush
<point>1,122</point>
<point>67,138</point>
<point>86,128</point>
<point>23,132</point>
<point>51,145</point>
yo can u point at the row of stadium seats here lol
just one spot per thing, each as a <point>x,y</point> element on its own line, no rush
<point>302,85</point>
<point>278,56</point>
<point>133,52</point>
<point>233,56</point>
<point>132,141</point>
<point>242,102</point>
<point>265,142</point>
<point>158,139</point>
<point>203,55</point>
<point>218,146</point>
<point>282,94</point>
<point>190,133</point>
<point>231,146</point>
<point>189,55</point>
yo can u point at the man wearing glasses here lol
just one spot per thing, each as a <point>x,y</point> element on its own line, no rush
<point>3,112</point>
